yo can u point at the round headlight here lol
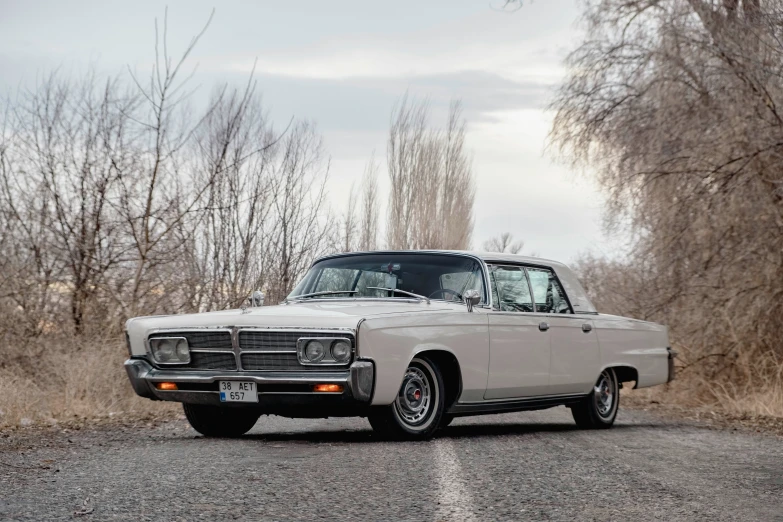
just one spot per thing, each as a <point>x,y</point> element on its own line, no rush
<point>341,351</point>
<point>166,350</point>
<point>183,354</point>
<point>314,351</point>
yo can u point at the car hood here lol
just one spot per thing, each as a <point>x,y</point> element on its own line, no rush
<point>308,314</point>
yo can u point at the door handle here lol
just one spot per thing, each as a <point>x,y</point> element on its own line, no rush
<point>587,328</point>
<point>543,326</point>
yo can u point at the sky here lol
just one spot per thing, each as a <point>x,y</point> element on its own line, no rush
<point>344,64</point>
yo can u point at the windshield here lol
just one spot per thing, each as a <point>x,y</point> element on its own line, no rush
<point>435,276</point>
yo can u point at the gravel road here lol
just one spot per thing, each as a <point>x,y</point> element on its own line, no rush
<point>525,466</point>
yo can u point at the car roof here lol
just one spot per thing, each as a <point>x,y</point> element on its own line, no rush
<point>486,256</point>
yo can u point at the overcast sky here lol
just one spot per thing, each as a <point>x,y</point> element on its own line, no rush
<point>344,64</point>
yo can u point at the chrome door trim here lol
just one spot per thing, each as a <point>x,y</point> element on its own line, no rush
<point>529,397</point>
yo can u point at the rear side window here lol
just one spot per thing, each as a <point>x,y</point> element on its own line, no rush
<point>547,292</point>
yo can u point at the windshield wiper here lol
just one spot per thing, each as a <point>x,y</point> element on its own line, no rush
<point>400,292</point>
<point>315,294</point>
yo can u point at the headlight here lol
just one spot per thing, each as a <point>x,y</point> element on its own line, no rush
<point>341,351</point>
<point>170,350</point>
<point>324,351</point>
<point>314,351</point>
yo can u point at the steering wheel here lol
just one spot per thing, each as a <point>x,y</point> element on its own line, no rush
<point>446,290</point>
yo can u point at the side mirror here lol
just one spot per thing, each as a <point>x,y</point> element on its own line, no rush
<point>257,298</point>
<point>471,298</point>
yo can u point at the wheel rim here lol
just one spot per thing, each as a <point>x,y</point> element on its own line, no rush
<point>417,397</point>
<point>604,394</point>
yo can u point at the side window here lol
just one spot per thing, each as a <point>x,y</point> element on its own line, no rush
<point>548,293</point>
<point>510,289</point>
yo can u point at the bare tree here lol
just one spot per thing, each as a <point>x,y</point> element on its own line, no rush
<point>119,199</point>
<point>676,106</point>
<point>370,210</point>
<point>161,187</point>
<point>457,190</point>
<point>66,143</point>
<point>404,150</point>
<point>299,225</point>
<point>432,191</point>
<point>349,226</point>
<point>230,235</point>
<point>504,243</point>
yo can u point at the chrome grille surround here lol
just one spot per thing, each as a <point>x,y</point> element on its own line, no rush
<point>253,349</point>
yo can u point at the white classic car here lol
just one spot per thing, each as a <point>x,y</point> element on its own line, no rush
<point>409,340</point>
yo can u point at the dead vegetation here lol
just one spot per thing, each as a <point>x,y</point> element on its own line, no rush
<point>67,380</point>
<point>122,197</point>
<point>675,105</point>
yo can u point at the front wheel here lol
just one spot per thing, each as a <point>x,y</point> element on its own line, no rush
<point>598,410</point>
<point>215,421</point>
<point>417,411</point>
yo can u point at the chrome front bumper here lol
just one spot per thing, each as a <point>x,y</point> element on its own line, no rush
<point>276,390</point>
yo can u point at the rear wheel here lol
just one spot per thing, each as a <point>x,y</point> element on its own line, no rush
<point>214,421</point>
<point>599,409</point>
<point>417,411</point>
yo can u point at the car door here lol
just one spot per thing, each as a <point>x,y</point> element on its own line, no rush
<point>575,356</point>
<point>519,355</point>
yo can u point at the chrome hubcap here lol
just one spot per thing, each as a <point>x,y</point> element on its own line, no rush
<point>414,400</point>
<point>604,395</point>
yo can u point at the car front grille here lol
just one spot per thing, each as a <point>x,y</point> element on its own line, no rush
<point>260,350</point>
<point>278,362</point>
<point>209,340</point>
<point>213,361</point>
<point>269,341</point>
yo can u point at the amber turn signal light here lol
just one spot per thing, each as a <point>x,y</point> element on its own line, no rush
<point>166,386</point>
<point>328,388</point>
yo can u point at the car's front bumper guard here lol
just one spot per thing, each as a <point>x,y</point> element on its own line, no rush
<point>357,381</point>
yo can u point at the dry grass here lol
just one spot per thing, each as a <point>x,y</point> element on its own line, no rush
<point>751,394</point>
<point>71,379</point>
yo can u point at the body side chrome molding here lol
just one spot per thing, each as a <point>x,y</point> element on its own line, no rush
<point>509,405</point>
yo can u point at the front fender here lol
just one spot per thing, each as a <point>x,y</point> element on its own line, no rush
<point>393,342</point>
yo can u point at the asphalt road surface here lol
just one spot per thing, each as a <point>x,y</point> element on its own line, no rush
<point>524,466</point>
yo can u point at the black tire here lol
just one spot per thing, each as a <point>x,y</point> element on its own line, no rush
<point>598,410</point>
<point>446,420</point>
<point>409,418</point>
<point>214,421</point>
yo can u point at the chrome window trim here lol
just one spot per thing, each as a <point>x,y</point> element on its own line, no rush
<point>541,314</point>
<point>524,267</point>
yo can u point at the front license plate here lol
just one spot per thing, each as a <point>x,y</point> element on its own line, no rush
<point>238,391</point>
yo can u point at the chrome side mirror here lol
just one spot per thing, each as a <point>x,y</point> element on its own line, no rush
<point>257,298</point>
<point>471,298</point>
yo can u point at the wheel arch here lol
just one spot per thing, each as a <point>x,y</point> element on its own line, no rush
<point>624,373</point>
<point>450,370</point>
